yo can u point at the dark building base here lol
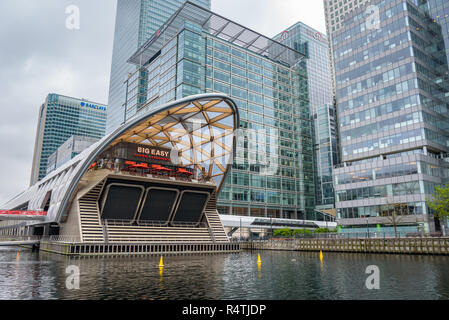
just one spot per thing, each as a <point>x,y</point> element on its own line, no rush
<point>111,249</point>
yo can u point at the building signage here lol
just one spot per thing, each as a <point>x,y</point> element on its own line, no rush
<point>144,153</point>
<point>284,35</point>
<point>93,106</point>
<point>153,153</point>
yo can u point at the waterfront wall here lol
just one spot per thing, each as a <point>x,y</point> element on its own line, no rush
<point>102,249</point>
<point>437,246</point>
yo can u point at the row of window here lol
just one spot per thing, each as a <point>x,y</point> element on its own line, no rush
<point>388,190</point>
<point>385,142</point>
<point>380,110</point>
<point>382,210</point>
<point>379,95</point>
<point>377,79</point>
<point>398,170</point>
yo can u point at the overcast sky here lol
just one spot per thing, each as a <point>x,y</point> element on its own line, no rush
<point>39,55</point>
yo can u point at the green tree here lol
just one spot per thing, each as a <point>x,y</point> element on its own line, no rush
<point>301,231</point>
<point>323,230</point>
<point>282,232</point>
<point>440,202</point>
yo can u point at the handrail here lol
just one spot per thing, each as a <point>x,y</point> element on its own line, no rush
<point>62,238</point>
<point>150,223</point>
<point>19,238</point>
<point>23,213</point>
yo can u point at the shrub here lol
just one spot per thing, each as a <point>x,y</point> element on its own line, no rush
<point>282,232</point>
<point>301,231</point>
<point>323,230</point>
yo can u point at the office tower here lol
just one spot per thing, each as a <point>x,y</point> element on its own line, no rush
<point>335,12</point>
<point>68,150</point>
<point>392,105</point>
<point>315,44</point>
<point>59,118</point>
<point>199,51</point>
<point>326,155</point>
<point>136,21</point>
<point>439,12</point>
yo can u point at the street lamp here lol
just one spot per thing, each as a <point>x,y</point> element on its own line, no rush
<point>367,229</point>
<point>240,229</point>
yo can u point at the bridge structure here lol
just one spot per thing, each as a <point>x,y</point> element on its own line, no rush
<point>12,243</point>
<point>265,224</point>
<point>22,215</point>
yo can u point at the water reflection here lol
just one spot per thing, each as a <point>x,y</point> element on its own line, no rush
<point>280,276</point>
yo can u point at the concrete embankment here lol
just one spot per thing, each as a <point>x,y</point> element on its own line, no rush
<point>436,246</point>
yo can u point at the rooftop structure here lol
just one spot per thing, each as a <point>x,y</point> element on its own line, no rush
<point>220,27</point>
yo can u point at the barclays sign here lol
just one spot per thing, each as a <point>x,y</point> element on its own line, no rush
<point>93,106</point>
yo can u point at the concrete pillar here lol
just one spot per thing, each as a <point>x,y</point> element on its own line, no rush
<point>46,231</point>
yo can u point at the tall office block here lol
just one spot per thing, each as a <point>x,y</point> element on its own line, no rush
<point>439,12</point>
<point>68,150</point>
<point>392,103</point>
<point>335,12</point>
<point>315,45</point>
<point>136,21</point>
<point>199,51</point>
<point>60,117</point>
<point>326,155</point>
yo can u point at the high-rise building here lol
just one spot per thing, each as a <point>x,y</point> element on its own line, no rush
<point>326,155</point>
<point>59,118</point>
<point>198,51</point>
<point>315,45</point>
<point>439,12</point>
<point>393,114</point>
<point>136,21</point>
<point>68,150</point>
<point>335,12</point>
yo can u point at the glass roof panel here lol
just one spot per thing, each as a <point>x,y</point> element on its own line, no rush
<point>219,27</point>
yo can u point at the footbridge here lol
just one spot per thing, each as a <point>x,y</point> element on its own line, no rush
<point>20,241</point>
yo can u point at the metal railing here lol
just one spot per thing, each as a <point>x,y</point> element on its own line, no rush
<point>347,235</point>
<point>62,238</point>
<point>19,238</point>
<point>151,223</point>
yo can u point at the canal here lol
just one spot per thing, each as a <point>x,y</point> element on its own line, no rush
<point>281,276</point>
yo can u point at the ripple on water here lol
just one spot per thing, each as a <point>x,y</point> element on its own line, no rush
<point>280,276</point>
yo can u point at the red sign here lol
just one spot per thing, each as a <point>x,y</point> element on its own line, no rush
<point>146,156</point>
<point>24,213</point>
<point>284,35</point>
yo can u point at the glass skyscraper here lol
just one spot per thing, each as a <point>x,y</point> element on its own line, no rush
<point>136,21</point>
<point>198,51</point>
<point>392,100</point>
<point>439,12</point>
<point>315,45</point>
<point>61,117</point>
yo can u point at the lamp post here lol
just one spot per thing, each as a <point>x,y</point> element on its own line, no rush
<point>240,229</point>
<point>367,228</point>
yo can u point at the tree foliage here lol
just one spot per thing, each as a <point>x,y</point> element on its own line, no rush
<point>440,202</point>
<point>289,232</point>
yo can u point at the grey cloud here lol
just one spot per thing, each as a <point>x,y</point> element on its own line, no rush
<point>40,55</point>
